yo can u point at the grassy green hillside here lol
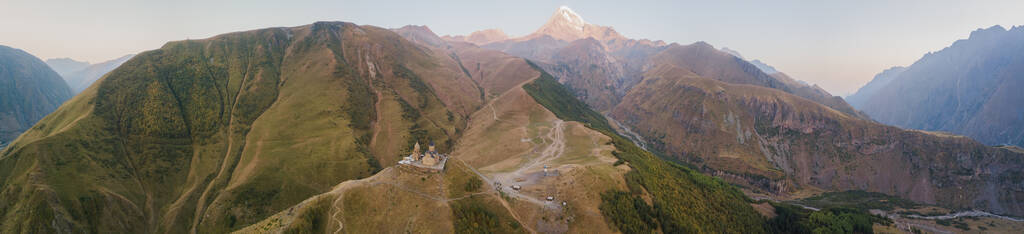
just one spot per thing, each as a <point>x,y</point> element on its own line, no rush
<point>212,135</point>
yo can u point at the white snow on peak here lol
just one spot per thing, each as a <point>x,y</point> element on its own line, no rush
<point>571,17</point>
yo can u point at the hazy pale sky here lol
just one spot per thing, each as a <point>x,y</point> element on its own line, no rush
<point>839,45</point>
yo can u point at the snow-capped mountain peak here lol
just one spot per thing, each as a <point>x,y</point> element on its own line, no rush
<point>570,17</point>
<point>566,25</point>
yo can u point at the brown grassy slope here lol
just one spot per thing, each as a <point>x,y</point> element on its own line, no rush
<point>392,201</point>
<point>513,134</point>
<point>396,200</point>
<point>491,72</point>
<point>494,71</point>
<point>210,135</point>
<point>819,95</point>
<point>775,142</point>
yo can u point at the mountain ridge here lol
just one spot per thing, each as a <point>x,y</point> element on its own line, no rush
<point>66,66</point>
<point>964,88</point>
<point>29,90</point>
<point>81,78</point>
<point>481,37</point>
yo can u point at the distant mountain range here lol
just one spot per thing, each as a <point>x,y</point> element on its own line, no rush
<point>970,88</point>
<point>480,37</point>
<point>66,66</point>
<point>80,75</point>
<point>767,69</point>
<point>29,90</point>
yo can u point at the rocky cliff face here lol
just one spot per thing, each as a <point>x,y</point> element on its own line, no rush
<point>970,88</point>
<point>780,143</point>
<point>595,76</point>
<point>29,90</point>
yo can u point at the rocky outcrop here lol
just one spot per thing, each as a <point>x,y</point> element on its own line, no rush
<point>591,73</point>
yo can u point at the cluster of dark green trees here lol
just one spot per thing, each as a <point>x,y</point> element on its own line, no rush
<point>794,219</point>
<point>474,216</point>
